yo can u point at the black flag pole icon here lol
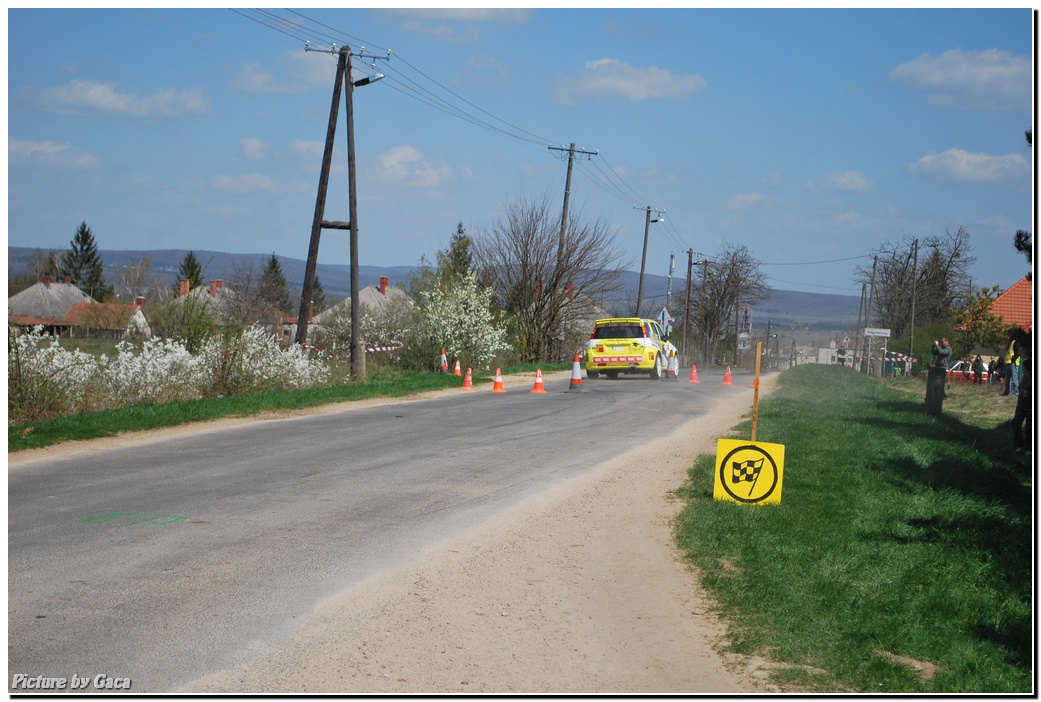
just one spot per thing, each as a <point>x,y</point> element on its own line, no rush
<point>747,471</point>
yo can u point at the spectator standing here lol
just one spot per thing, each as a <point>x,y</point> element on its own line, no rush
<point>1021,430</point>
<point>997,371</point>
<point>942,351</point>
<point>977,371</point>
<point>1012,362</point>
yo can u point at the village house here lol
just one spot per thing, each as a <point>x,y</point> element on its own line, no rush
<point>62,309</point>
<point>1016,305</point>
<point>45,304</point>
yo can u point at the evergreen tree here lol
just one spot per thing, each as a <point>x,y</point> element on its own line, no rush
<point>318,296</point>
<point>457,261</point>
<point>83,263</point>
<point>190,270</point>
<point>273,288</point>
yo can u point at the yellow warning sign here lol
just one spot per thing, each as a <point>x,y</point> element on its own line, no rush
<point>749,472</point>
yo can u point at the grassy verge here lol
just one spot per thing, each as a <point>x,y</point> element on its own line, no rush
<point>387,382</point>
<point>900,557</point>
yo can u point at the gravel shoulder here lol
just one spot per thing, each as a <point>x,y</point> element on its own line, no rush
<point>579,590</point>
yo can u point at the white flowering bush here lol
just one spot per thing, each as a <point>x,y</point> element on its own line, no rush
<point>164,371</point>
<point>233,364</point>
<point>45,380</point>
<point>456,315</point>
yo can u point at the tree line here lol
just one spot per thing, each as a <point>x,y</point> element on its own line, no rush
<point>517,286</point>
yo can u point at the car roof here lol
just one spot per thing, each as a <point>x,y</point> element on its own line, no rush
<point>624,320</point>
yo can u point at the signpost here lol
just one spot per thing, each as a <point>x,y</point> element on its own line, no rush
<point>879,333</point>
<point>740,462</point>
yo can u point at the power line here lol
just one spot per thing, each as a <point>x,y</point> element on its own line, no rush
<point>817,263</point>
<point>445,100</point>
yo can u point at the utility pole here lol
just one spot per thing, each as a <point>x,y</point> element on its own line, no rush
<point>319,206</point>
<point>571,151</point>
<point>859,350</point>
<point>643,262</point>
<point>686,302</point>
<point>343,81</point>
<point>686,306</point>
<point>867,313</point>
<point>914,293</point>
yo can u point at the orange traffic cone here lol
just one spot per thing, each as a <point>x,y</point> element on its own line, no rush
<point>498,382</point>
<point>468,381</point>
<point>694,374</point>
<point>539,389</point>
<point>458,370</point>
<point>726,377</point>
<point>444,362</point>
<point>755,384</point>
<point>576,375</point>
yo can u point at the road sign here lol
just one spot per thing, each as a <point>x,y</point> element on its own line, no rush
<point>748,472</point>
<point>872,331</point>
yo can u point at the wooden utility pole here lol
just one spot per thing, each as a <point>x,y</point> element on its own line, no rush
<point>571,151</point>
<point>343,82</point>
<point>867,313</point>
<point>914,294</point>
<point>643,262</point>
<point>319,207</point>
<point>686,307</point>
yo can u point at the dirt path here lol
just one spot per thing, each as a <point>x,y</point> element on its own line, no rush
<point>577,591</point>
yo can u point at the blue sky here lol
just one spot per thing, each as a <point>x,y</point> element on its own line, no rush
<point>808,136</point>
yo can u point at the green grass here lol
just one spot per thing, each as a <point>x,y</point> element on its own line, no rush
<point>897,534</point>
<point>383,382</point>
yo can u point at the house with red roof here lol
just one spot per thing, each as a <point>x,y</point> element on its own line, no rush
<point>109,319</point>
<point>1016,305</point>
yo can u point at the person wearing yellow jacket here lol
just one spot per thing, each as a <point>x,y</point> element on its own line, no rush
<point>1012,362</point>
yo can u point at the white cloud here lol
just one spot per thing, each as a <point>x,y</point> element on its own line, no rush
<point>968,168</point>
<point>301,71</point>
<point>458,26</point>
<point>610,78</point>
<point>253,148</point>
<point>92,97</point>
<point>404,165</point>
<point>742,201</point>
<point>48,154</point>
<point>847,181</point>
<point>250,182</point>
<point>483,71</point>
<point>309,147</point>
<point>971,80</point>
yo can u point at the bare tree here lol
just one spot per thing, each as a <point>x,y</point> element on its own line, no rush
<point>535,282</point>
<point>731,279</point>
<point>941,284</point>
<point>137,279</point>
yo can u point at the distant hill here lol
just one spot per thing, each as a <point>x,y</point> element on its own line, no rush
<point>336,280</point>
<point>808,313</point>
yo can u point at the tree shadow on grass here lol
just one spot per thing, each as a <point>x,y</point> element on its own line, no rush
<point>987,473</point>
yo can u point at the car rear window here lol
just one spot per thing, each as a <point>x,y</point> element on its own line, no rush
<point>618,331</point>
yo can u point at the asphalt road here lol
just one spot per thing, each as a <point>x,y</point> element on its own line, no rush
<point>176,558</point>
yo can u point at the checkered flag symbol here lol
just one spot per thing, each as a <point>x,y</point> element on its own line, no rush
<point>746,471</point>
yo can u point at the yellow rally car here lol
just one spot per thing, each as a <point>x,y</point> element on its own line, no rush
<point>628,345</point>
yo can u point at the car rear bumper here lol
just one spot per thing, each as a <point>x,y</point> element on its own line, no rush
<point>618,362</point>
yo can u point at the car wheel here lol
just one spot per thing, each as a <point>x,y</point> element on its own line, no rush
<point>592,375</point>
<point>656,370</point>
